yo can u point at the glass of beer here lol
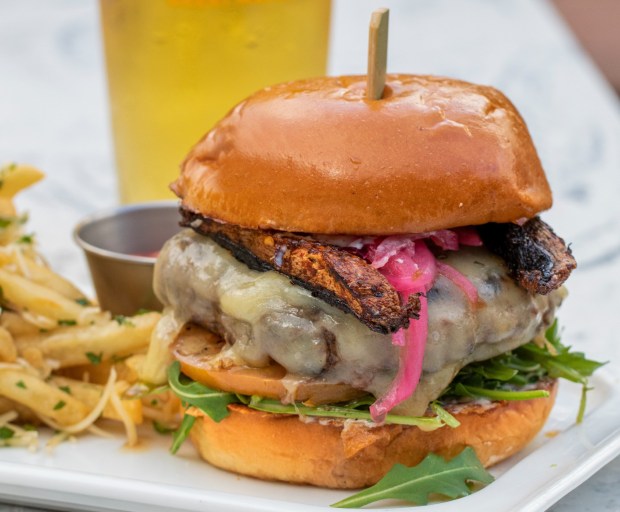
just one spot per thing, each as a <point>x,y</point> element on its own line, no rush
<point>177,66</point>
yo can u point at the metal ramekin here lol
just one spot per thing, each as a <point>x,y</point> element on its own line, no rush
<point>117,244</point>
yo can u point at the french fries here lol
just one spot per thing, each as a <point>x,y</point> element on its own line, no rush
<point>25,295</point>
<point>15,177</point>
<point>72,346</point>
<point>89,394</point>
<point>8,351</point>
<point>36,271</point>
<point>63,361</point>
<point>45,400</point>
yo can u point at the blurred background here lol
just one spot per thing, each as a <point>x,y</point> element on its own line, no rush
<point>596,23</point>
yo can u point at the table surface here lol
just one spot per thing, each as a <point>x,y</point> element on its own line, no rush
<point>53,114</point>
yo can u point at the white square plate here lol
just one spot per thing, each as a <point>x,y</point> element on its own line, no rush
<point>99,474</point>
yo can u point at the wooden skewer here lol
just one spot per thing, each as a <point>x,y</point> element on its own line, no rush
<point>377,52</point>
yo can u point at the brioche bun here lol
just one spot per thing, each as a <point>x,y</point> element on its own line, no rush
<point>352,454</point>
<point>317,156</point>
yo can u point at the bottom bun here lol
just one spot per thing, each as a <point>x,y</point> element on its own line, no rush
<point>349,454</point>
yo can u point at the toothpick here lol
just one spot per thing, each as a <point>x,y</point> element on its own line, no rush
<point>377,52</point>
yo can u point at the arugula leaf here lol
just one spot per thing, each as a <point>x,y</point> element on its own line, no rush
<point>182,432</point>
<point>162,429</point>
<point>210,401</point>
<point>501,377</point>
<point>434,475</point>
<point>498,394</point>
<point>426,423</point>
<point>214,403</point>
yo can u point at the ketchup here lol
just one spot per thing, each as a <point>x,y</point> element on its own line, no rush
<point>147,254</point>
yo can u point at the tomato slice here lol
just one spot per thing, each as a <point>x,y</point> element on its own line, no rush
<point>196,347</point>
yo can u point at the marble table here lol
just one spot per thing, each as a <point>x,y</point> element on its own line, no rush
<point>53,114</point>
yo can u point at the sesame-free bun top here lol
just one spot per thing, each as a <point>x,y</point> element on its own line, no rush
<point>317,156</point>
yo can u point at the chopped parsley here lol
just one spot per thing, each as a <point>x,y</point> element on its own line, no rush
<point>67,322</point>
<point>123,320</point>
<point>21,384</point>
<point>94,358</point>
<point>26,239</point>
<point>59,405</point>
<point>66,389</point>
<point>6,433</point>
<point>83,301</point>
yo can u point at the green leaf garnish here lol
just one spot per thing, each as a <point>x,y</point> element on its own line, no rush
<point>182,432</point>
<point>21,384</point>
<point>67,322</point>
<point>214,403</point>
<point>59,405</point>
<point>66,389</point>
<point>347,411</point>
<point>210,401</point>
<point>162,429</point>
<point>6,433</point>
<point>83,301</point>
<point>26,239</point>
<point>502,377</point>
<point>123,320</point>
<point>94,358</point>
<point>499,394</point>
<point>434,475</point>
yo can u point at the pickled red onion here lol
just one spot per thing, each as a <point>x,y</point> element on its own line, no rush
<point>409,368</point>
<point>459,280</point>
<point>446,239</point>
<point>411,270</point>
<point>468,236</point>
<point>387,248</point>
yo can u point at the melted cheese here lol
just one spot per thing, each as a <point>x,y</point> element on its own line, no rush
<point>263,316</point>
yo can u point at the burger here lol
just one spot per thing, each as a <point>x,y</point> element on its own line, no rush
<point>362,282</point>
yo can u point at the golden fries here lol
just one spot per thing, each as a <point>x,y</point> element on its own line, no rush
<point>15,177</point>
<point>25,295</point>
<point>8,352</point>
<point>90,394</point>
<point>48,327</point>
<point>72,346</point>
<point>38,272</point>
<point>45,400</point>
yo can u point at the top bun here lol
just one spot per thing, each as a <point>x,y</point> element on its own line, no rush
<point>317,156</point>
